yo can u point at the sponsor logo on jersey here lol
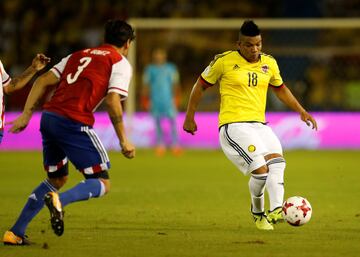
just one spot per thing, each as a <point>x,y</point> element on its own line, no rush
<point>33,196</point>
<point>236,67</point>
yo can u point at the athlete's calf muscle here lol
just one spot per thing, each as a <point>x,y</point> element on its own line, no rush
<point>58,182</point>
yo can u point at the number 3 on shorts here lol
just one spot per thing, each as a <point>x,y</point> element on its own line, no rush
<point>83,63</point>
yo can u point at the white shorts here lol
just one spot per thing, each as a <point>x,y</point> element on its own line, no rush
<point>246,144</point>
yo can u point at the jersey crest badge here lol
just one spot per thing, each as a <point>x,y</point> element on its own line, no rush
<point>265,68</point>
<point>251,148</point>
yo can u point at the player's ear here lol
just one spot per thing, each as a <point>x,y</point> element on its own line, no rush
<point>238,43</point>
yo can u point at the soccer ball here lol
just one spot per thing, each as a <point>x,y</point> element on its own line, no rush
<point>296,210</point>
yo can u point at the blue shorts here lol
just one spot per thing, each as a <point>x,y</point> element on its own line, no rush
<point>1,135</point>
<point>64,140</point>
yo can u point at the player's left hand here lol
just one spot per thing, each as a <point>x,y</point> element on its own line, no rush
<point>19,124</point>
<point>127,149</point>
<point>40,61</point>
<point>309,120</point>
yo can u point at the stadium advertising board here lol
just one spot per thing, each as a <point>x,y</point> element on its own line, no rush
<point>336,131</point>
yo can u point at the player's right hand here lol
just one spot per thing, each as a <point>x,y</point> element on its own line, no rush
<point>190,126</point>
<point>127,149</point>
<point>19,124</point>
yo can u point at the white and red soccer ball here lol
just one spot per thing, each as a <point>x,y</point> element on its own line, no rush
<point>296,210</point>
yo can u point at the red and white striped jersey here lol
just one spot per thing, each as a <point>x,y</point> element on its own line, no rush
<point>5,80</point>
<point>86,77</point>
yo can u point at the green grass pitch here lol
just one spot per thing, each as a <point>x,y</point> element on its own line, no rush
<point>193,205</point>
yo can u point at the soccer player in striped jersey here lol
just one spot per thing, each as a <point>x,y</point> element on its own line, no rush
<point>8,85</point>
<point>83,80</point>
<point>244,77</point>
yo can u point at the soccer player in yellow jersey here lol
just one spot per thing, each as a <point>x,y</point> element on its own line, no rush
<point>244,77</point>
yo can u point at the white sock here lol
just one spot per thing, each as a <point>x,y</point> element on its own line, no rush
<point>256,187</point>
<point>102,190</point>
<point>275,182</point>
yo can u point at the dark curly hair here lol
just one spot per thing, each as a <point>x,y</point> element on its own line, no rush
<point>249,28</point>
<point>118,32</point>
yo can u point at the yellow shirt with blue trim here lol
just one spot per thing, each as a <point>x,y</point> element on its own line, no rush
<point>243,85</point>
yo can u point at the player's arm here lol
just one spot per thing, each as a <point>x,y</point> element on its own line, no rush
<point>208,78</point>
<point>115,111</point>
<point>38,90</point>
<point>285,95</point>
<point>38,63</point>
<point>194,100</point>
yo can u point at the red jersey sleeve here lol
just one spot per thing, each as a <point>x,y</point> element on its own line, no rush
<point>5,78</point>
<point>59,67</point>
<point>120,78</point>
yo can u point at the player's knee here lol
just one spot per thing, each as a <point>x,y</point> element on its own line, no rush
<point>262,170</point>
<point>275,162</point>
<point>58,182</point>
<point>273,156</point>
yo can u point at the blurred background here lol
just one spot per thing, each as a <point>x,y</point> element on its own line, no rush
<point>316,44</point>
<point>321,66</point>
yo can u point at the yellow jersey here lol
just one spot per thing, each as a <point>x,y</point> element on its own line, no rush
<point>243,85</point>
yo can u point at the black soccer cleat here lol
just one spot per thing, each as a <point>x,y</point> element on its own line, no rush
<point>53,203</point>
